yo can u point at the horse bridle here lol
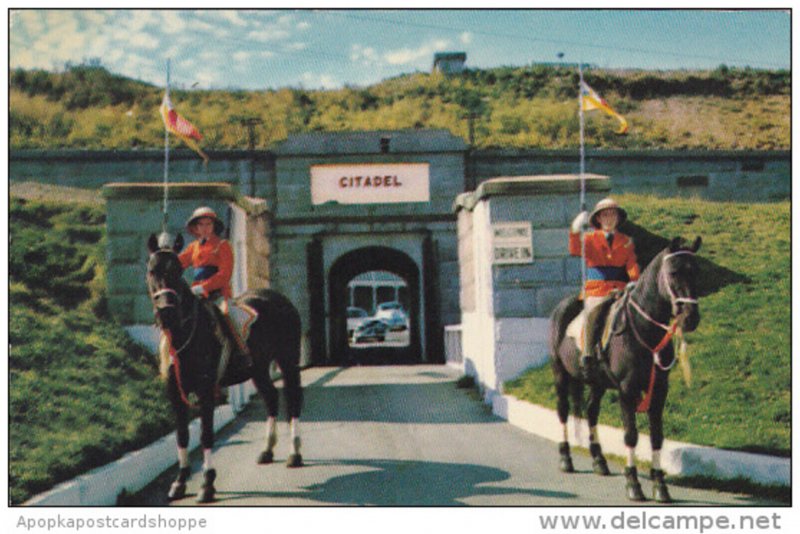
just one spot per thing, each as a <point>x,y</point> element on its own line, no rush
<point>169,291</point>
<point>669,329</point>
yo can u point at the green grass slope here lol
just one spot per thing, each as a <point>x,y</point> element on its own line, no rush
<point>81,393</point>
<point>740,396</point>
<point>525,107</point>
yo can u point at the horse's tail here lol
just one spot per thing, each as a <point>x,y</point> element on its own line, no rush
<point>576,393</point>
<point>564,312</point>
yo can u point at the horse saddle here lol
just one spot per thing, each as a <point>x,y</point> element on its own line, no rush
<point>608,314</point>
<point>233,331</point>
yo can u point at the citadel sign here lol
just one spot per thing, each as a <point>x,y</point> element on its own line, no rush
<point>370,183</point>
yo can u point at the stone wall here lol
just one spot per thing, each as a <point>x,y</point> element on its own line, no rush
<point>740,176</point>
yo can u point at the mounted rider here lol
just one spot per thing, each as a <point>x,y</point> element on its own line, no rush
<point>611,265</point>
<point>211,257</point>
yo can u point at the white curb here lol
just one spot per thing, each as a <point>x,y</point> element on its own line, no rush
<point>677,458</point>
<point>132,472</point>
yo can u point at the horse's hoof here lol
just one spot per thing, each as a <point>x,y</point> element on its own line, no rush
<point>632,486</point>
<point>206,495</point>
<point>294,460</point>
<point>177,491</point>
<point>660,491</point>
<point>266,457</point>
<point>207,492</point>
<point>661,494</point>
<point>600,466</point>
<point>565,462</point>
<point>566,465</point>
<point>635,492</point>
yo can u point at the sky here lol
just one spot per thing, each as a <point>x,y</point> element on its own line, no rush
<point>269,49</point>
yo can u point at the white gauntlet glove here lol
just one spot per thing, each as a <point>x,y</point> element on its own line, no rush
<point>198,290</point>
<point>581,221</point>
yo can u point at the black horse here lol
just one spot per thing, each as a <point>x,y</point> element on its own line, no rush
<point>187,322</point>
<point>639,357</point>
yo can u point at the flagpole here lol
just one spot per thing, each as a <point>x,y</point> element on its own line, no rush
<point>583,179</point>
<point>166,163</point>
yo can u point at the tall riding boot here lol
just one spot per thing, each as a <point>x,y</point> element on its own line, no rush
<point>588,369</point>
<point>241,346</point>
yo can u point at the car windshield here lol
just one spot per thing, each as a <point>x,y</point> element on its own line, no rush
<point>389,306</point>
<point>356,312</point>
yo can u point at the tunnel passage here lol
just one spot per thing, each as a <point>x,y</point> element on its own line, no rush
<point>347,268</point>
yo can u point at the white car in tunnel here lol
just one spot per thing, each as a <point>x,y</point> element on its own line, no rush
<point>393,314</point>
<point>355,318</point>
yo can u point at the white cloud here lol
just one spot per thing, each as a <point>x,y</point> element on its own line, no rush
<point>139,19</point>
<point>296,46</point>
<point>96,17</point>
<point>406,56</point>
<point>324,81</point>
<point>31,22</point>
<point>209,55</point>
<point>268,34</point>
<point>198,25</point>
<point>364,54</point>
<point>143,40</point>
<point>234,17</point>
<point>465,38</point>
<point>241,56</point>
<point>303,25</point>
<point>172,22</point>
<point>207,78</point>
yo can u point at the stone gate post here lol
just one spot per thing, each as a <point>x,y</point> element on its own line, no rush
<point>514,267</point>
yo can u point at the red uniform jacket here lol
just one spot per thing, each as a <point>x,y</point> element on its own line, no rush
<point>213,264</point>
<point>607,268</point>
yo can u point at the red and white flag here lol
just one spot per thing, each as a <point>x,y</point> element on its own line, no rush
<point>180,127</point>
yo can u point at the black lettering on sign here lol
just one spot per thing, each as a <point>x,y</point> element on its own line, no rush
<point>369,181</point>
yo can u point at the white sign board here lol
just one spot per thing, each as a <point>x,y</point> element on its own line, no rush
<point>370,183</point>
<point>512,242</point>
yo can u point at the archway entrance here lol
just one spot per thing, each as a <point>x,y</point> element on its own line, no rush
<point>394,275</point>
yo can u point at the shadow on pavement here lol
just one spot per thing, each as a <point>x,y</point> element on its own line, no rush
<point>402,483</point>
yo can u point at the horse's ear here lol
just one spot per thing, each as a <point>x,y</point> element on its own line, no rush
<point>178,243</point>
<point>675,244</point>
<point>152,243</point>
<point>696,245</point>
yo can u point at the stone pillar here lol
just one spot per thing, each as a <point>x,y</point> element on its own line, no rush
<point>514,267</point>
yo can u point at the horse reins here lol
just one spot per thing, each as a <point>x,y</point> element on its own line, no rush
<point>174,352</point>
<point>670,330</point>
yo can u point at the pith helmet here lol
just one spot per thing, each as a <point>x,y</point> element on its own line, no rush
<point>607,203</point>
<point>201,212</point>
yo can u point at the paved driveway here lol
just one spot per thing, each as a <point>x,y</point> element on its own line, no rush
<point>404,435</point>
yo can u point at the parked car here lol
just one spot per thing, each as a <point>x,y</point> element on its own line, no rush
<point>355,317</point>
<point>393,314</point>
<point>370,330</point>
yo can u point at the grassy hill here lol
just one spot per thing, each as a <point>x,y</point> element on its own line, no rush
<point>524,107</point>
<point>81,393</point>
<point>740,397</point>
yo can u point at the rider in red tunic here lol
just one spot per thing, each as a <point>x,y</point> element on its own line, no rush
<point>211,256</point>
<point>611,265</point>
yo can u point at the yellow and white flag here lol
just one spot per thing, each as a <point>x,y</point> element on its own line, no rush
<point>591,100</point>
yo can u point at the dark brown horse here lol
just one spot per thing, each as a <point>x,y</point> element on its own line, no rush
<point>639,357</point>
<point>188,323</point>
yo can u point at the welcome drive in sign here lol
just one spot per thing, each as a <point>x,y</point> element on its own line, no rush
<point>370,183</point>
